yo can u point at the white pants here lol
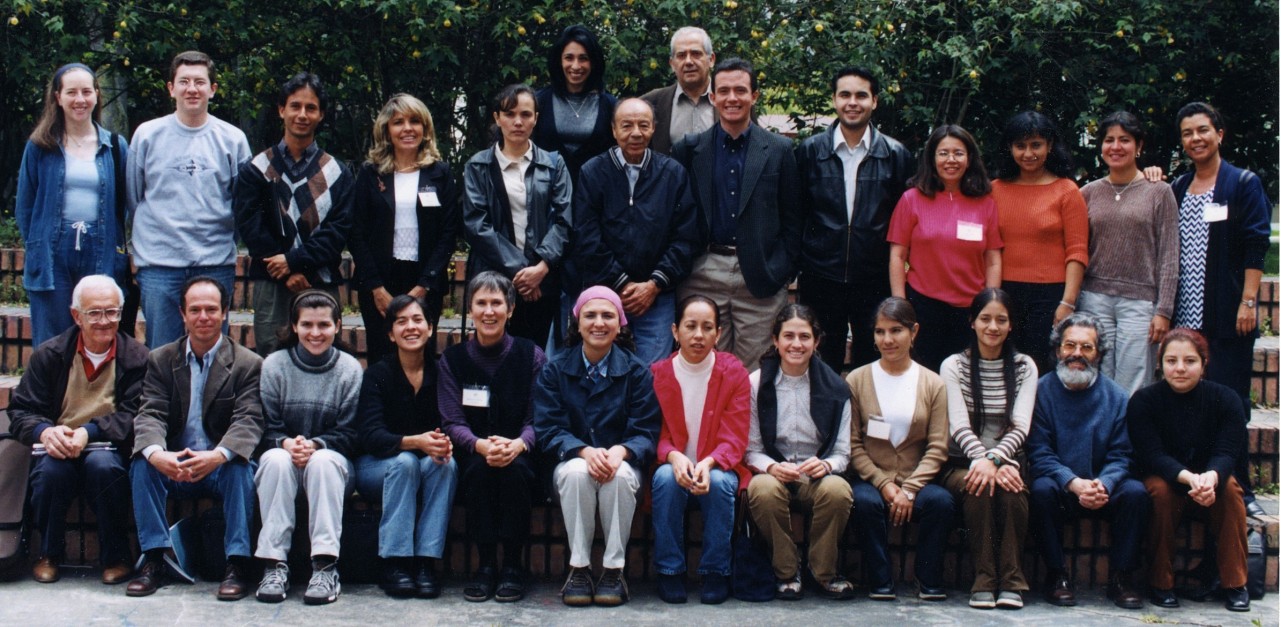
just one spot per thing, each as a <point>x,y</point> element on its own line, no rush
<point>1131,361</point>
<point>325,479</point>
<point>580,495</point>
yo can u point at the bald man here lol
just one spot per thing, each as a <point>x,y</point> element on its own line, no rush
<point>636,227</point>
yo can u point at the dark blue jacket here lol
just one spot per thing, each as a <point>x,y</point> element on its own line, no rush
<point>1080,433</point>
<point>571,413</point>
<point>1236,244</point>
<point>621,235</point>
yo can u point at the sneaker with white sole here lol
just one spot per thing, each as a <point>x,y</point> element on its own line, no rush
<point>324,586</point>
<point>275,583</point>
<point>982,600</point>
<point>1009,600</point>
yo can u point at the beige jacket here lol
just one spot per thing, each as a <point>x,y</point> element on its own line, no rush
<point>916,461</point>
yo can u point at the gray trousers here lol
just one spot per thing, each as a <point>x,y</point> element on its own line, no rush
<point>326,479</point>
<point>746,320</point>
<point>580,495</point>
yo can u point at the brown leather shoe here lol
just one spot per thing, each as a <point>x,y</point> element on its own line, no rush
<point>149,579</point>
<point>45,570</point>
<point>1058,590</point>
<point>234,585</point>
<point>116,573</point>
<point>1124,594</point>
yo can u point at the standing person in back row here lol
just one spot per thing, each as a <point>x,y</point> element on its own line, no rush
<point>852,176</point>
<point>744,178</point>
<point>684,107</point>
<point>293,210</point>
<point>179,187</point>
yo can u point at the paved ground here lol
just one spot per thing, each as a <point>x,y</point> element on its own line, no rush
<point>81,600</point>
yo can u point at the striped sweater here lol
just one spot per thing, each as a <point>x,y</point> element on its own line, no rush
<point>965,443</point>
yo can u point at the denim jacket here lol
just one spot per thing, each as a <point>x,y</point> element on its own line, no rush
<point>39,211</point>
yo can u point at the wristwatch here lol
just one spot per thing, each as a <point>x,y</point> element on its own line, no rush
<point>1249,302</point>
<point>995,459</point>
<point>911,496</point>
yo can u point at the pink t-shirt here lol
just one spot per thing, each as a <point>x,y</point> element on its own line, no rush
<point>946,237</point>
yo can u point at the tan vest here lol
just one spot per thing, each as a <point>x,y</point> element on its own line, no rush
<point>85,399</point>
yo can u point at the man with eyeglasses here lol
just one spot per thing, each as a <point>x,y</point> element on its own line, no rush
<point>179,190</point>
<point>684,107</point>
<point>75,407</point>
<point>1080,457</point>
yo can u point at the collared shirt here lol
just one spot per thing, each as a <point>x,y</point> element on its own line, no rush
<point>514,180</point>
<point>851,158</point>
<point>601,367</point>
<point>731,157</point>
<point>632,170</point>
<point>94,362</point>
<point>797,437</point>
<point>296,168</point>
<point>193,436</point>
<point>690,116</point>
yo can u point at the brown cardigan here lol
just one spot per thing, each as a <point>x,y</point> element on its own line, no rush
<point>917,460</point>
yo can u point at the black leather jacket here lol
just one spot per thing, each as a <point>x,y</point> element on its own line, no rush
<point>831,247</point>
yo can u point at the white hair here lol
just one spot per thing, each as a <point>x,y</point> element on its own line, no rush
<point>100,281</point>
<point>691,30</point>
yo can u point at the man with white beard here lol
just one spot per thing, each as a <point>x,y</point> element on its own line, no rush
<point>1080,455</point>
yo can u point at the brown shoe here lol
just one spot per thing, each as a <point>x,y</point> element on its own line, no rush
<point>1058,589</point>
<point>1123,593</point>
<point>45,570</point>
<point>149,579</point>
<point>116,573</point>
<point>234,586</point>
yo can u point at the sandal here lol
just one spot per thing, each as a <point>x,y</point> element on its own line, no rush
<point>481,587</point>
<point>511,586</point>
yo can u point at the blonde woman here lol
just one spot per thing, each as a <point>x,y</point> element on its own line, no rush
<point>406,218</point>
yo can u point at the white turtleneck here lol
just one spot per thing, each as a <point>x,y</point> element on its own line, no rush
<point>693,379</point>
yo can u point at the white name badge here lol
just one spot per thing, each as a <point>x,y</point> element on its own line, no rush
<point>878,428</point>
<point>428,199</point>
<point>969,231</point>
<point>1214,212</point>
<point>476,397</point>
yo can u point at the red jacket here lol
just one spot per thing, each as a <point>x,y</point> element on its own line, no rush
<point>726,414</point>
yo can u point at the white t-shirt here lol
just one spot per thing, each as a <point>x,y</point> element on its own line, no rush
<point>896,395</point>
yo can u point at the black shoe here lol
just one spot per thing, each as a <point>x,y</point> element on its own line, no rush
<point>1237,599</point>
<point>611,590</point>
<point>481,587</point>
<point>1123,592</point>
<point>396,580</point>
<point>578,589</point>
<point>1058,589</point>
<point>671,588</point>
<point>425,582</point>
<point>789,589</point>
<point>1163,598</point>
<point>715,589</point>
<point>883,591</point>
<point>511,586</point>
<point>930,593</point>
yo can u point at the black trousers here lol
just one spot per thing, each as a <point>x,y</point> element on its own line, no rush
<point>945,330</point>
<point>841,308</point>
<point>401,277</point>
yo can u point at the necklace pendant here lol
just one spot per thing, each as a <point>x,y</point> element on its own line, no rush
<point>1117,197</point>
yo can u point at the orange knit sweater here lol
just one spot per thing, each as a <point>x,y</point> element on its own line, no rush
<point>1044,227</point>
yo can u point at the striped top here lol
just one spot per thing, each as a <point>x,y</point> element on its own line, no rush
<point>967,444</point>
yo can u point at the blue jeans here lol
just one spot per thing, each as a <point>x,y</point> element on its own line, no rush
<point>416,495</point>
<point>670,502</point>
<point>103,480</point>
<point>161,290</point>
<point>653,329</point>
<point>233,482</point>
<point>1128,510</point>
<point>934,509</point>
<point>76,253</point>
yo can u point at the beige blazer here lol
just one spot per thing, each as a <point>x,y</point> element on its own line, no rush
<point>916,461</point>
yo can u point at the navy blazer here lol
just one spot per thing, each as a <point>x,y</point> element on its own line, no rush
<point>571,413</point>
<point>769,221</point>
<point>1236,244</point>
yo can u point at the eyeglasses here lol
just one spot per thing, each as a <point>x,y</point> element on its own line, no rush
<point>1072,347</point>
<point>100,315</point>
<point>943,155</point>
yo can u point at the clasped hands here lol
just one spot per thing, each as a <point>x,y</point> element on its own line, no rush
<point>498,451</point>
<point>790,472</point>
<point>603,463</point>
<point>693,478</point>
<point>63,442</point>
<point>985,476</point>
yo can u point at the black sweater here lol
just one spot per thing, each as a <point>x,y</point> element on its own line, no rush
<point>1198,431</point>
<point>389,408</point>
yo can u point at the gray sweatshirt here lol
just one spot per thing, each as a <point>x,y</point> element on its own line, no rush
<point>179,190</point>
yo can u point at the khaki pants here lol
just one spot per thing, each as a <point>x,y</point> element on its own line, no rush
<point>997,529</point>
<point>829,500</point>
<point>1227,521</point>
<point>746,320</point>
